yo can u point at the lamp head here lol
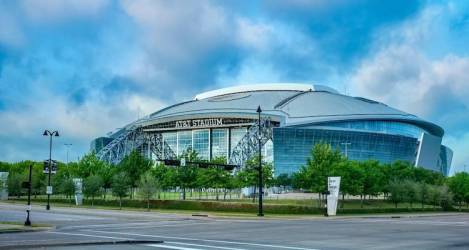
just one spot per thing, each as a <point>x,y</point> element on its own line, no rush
<point>259,109</point>
<point>56,133</point>
<point>45,133</point>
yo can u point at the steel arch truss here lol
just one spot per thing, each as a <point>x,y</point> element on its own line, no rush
<point>248,146</point>
<point>136,139</point>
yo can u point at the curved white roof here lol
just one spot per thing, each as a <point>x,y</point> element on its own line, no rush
<point>264,87</point>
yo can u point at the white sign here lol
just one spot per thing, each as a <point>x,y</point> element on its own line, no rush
<point>3,185</point>
<point>78,191</point>
<point>183,162</point>
<point>199,123</point>
<point>49,190</point>
<point>28,208</point>
<point>333,186</point>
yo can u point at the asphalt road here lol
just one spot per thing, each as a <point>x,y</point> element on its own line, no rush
<point>186,232</point>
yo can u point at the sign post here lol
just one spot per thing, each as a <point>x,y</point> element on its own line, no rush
<point>333,186</point>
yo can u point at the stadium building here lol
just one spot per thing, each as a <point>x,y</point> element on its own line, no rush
<point>294,117</point>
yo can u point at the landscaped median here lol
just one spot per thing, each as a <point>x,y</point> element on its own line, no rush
<point>243,207</point>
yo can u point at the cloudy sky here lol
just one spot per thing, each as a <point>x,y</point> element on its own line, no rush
<point>88,67</point>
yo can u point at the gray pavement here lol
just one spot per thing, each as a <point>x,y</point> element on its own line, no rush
<point>76,225</point>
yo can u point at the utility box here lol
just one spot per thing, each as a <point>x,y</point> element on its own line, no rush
<point>3,186</point>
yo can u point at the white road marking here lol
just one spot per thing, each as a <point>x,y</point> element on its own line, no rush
<point>88,235</point>
<point>198,245</point>
<point>204,240</point>
<point>168,225</point>
<point>171,247</point>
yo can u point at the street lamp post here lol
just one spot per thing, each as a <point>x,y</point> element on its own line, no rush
<point>28,222</point>
<point>68,147</point>
<point>260,212</point>
<point>50,134</point>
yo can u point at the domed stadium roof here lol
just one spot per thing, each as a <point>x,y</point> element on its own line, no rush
<point>290,104</point>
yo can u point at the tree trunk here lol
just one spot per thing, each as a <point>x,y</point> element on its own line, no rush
<point>361,201</point>
<point>120,203</point>
<point>184,193</point>
<point>148,204</point>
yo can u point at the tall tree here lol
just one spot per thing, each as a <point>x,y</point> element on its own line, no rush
<point>92,187</point>
<point>319,166</point>
<point>120,186</point>
<point>147,187</point>
<point>459,186</point>
<point>134,165</point>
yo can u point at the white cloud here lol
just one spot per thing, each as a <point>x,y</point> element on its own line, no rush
<point>404,71</point>
<point>77,124</point>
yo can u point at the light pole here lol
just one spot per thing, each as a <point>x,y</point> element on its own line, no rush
<point>259,111</point>
<point>68,145</point>
<point>28,222</point>
<point>50,134</point>
<point>346,144</point>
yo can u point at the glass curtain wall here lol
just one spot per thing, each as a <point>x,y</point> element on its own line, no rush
<point>170,139</point>
<point>219,143</point>
<point>201,143</point>
<point>184,141</point>
<point>236,135</point>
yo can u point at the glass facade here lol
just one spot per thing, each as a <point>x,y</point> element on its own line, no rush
<point>201,143</point>
<point>387,127</point>
<point>292,146</point>
<point>207,142</point>
<point>170,139</point>
<point>184,141</point>
<point>236,135</point>
<point>219,141</point>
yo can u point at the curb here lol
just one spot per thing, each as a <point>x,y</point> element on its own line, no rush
<point>26,230</point>
<point>89,243</point>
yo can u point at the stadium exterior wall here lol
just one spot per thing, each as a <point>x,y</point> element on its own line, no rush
<point>214,124</point>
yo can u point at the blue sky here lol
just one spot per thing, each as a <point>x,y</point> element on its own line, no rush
<point>87,67</point>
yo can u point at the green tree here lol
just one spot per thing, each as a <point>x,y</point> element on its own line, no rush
<point>319,166</point>
<point>459,186</point>
<point>374,181</point>
<point>106,172</point>
<point>15,181</point>
<point>147,187</point>
<point>120,186</point>
<point>134,165</point>
<point>89,165</point>
<point>352,176</point>
<point>396,191</point>
<point>92,187</point>
<point>68,188</point>
<point>423,193</point>
<point>411,194</point>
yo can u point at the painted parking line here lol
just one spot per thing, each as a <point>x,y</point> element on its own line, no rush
<point>204,240</point>
<point>89,235</point>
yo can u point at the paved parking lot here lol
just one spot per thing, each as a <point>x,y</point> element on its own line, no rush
<point>145,229</point>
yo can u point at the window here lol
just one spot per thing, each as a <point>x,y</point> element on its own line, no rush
<point>236,135</point>
<point>219,143</point>
<point>201,143</point>
<point>184,141</point>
